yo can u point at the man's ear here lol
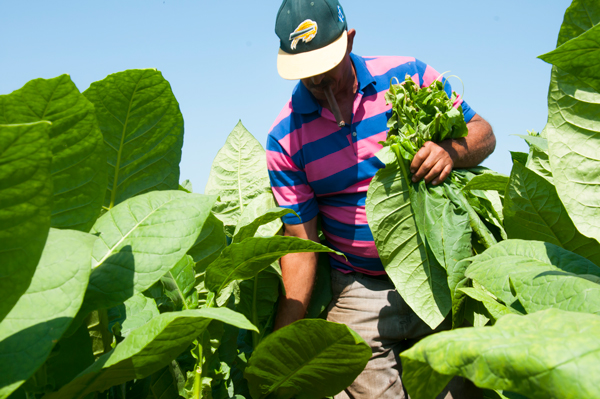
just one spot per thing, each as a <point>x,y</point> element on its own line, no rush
<point>351,34</point>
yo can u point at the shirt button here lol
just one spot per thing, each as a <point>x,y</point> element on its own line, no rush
<point>354,134</point>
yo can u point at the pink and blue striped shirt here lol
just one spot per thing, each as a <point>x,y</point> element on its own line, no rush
<point>317,167</point>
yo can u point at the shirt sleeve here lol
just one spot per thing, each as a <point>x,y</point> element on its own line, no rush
<point>427,75</point>
<point>289,184</point>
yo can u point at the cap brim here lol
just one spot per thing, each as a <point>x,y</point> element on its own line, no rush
<point>311,63</point>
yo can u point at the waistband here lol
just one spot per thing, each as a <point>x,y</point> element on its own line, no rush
<point>382,277</point>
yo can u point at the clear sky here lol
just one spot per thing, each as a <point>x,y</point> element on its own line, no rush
<point>220,56</point>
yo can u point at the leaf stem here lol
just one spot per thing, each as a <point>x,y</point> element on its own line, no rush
<point>402,166</point>
<point>487,239</point>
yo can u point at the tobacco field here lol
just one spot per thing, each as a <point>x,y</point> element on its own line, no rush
<point>118,281</point>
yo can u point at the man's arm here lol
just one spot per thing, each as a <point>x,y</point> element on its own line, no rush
<point>299,271</point>
<point>434,162</point>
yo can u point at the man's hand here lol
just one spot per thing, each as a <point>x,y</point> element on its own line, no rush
<point>434,162</point>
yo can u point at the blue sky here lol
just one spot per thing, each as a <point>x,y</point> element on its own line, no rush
<point>220,56</point>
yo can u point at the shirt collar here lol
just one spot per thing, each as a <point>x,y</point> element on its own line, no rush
<point>304,102</point>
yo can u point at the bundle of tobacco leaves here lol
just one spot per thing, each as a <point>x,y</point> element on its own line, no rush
<point>423,232</point>
<point>422,114</point>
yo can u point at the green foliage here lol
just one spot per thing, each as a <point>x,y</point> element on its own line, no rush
<point>255,221</point>
<point>25,206</point>
<point>310,358</point>
<point>35,323</point>
<point>401,248</point>
<point>179,284</point>
<point>541,295</point>
<point>548,354</point>
<point>246,228</point>
<point>143,132</point>
<point>140,240</point>
<point>422,114</point>
<point>147,349</point>
<point>422,231</point>
<point>138,310</point>
<point>573,106</point>
<point>532,210</point>
<point>244,260</point>
<point>113,313</point>
<point>209,243</point>
<point>238,175</point>
<point>78,160</point>
<point>519,259</point>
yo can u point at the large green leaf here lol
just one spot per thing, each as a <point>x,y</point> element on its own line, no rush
<point>521,260</point>
<point>573,138</point>
<point>311,358</point>
<point>579,17</point>
<point>141,240</point>
<point>246,259</point>
<point>78,158</point>
<point>143,132</point>
<point>550,354</point>
<point>25,206</point>
<point>572,129</point>
<point>401,248</point>
<point>147,350</point>
<point>446,227</point>
<point>558,289</point>
<point>533,211</point>
<point>43,313</point>
<point>238,175</point>
<point>579,57</point>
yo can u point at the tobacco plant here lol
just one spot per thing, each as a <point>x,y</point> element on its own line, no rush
<point>538,292</point>
<point>118,282</point>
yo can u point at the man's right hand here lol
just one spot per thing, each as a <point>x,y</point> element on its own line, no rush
<point>298,271</point>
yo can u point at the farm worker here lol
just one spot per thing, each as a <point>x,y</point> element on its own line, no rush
<point>321,158</point>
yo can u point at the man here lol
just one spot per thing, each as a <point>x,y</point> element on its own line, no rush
<point>321,158</point>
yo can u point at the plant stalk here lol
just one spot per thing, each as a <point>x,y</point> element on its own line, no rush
<point>197,389</point>
<point>255,336</point>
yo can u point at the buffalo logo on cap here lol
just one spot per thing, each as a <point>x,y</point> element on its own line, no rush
<point>306,31</point>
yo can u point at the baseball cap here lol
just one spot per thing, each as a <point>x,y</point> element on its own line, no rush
<point>313,37</point>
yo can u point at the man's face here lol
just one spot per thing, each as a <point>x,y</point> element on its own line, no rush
<point>335,78</point>
<point>341,78</point>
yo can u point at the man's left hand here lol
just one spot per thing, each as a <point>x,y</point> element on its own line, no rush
<point>433,162</point>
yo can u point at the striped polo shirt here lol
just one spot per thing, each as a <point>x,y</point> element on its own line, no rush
<point>315,166</point>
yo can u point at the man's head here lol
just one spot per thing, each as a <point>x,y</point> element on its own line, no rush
<point>313,37</point>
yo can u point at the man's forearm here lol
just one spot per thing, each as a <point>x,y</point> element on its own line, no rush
<point>299,271</point>
<point>470,151</point>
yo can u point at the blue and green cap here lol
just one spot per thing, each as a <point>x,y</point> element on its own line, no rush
<point>313,37</point>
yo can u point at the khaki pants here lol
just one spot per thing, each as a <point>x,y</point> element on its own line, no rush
<point>375,310</point>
